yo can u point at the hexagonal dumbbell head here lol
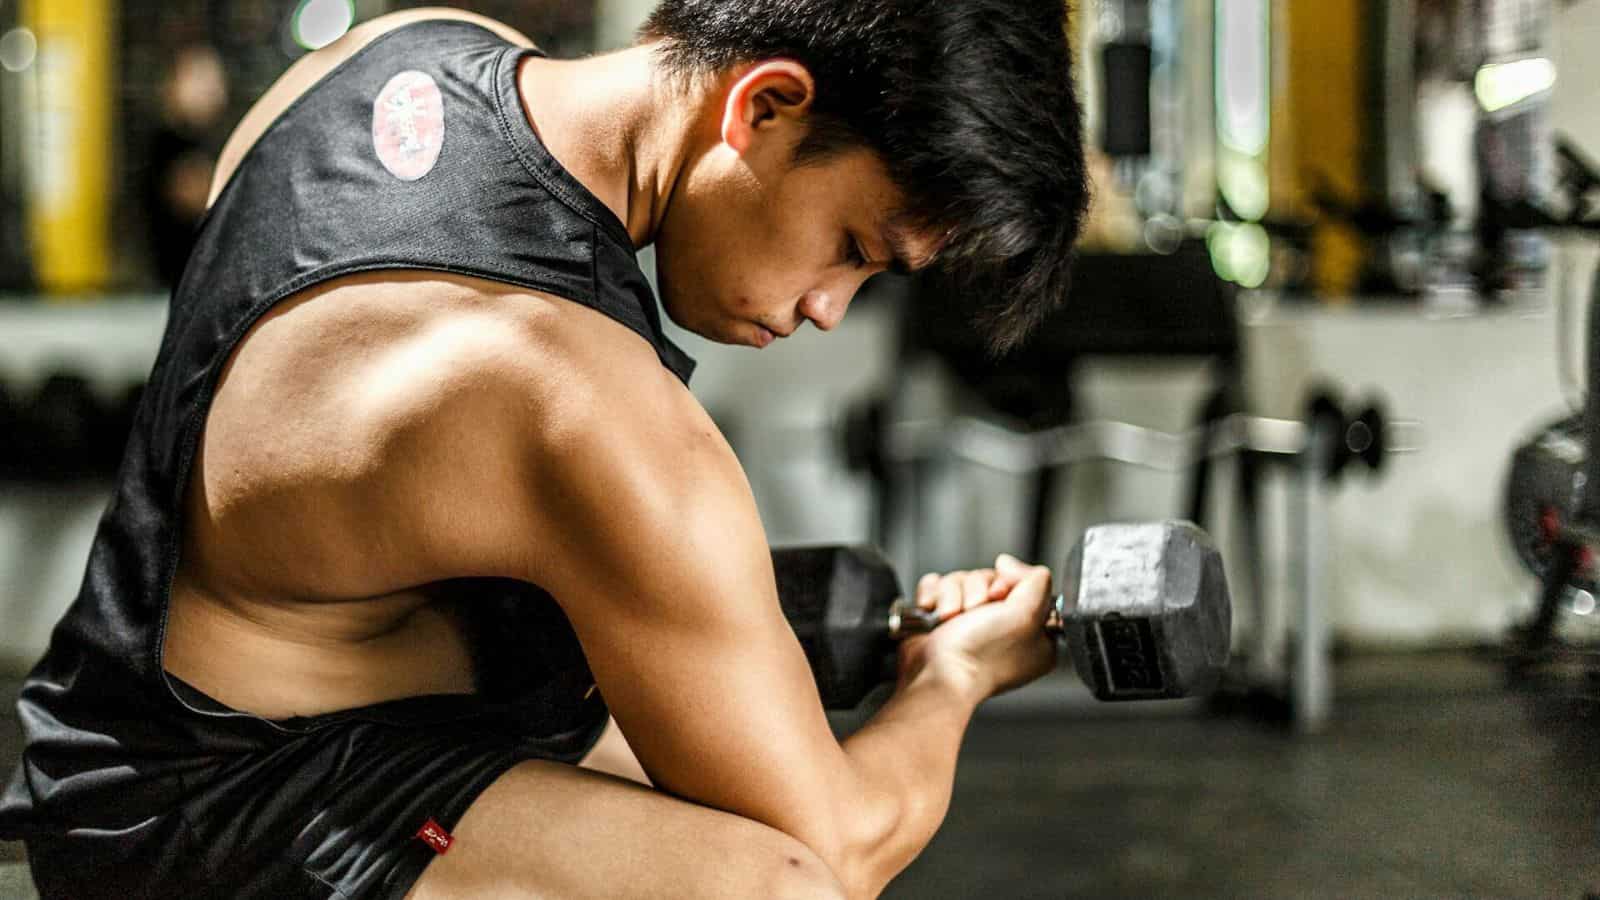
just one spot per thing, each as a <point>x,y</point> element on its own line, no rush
<point>837,600</point>
<point>1145,610</point>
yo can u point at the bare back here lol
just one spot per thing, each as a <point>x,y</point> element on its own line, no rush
<point>328,500</point>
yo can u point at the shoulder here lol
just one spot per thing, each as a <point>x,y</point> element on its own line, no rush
<point>625,458</point>
<point>310,69</point>
<point>535,429</point>
<point>389,22</point>
<point>613,410</point>
<point>533,366</point>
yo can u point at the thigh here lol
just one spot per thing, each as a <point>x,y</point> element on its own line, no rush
<point>549,830</point>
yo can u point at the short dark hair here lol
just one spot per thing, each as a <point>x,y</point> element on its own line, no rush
<point>969,103</point>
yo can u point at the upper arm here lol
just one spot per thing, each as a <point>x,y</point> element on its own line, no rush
<point>657,555</point>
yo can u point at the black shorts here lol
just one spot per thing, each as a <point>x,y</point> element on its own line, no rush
<point>197,800</point>
<point>332,813</point>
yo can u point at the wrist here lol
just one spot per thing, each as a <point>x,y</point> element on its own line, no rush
<point>962,680</point>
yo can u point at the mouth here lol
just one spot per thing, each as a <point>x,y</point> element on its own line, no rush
<point>765,337</point>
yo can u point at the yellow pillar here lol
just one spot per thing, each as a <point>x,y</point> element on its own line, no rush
<point>69,184</point>
<point>1327,118</point>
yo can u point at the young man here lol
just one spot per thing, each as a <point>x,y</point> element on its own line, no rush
<point>418,501</point>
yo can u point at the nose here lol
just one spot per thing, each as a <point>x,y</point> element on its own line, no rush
<point>825,309</point>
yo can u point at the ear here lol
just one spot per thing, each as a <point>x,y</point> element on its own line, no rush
<point>770,98</point>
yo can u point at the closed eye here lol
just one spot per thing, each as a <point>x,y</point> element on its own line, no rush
<point>853,255</point>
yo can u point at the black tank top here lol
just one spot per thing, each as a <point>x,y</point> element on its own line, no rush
<point>413,154</point>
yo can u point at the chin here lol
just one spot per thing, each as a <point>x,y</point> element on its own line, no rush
<point>727,335</point>
<point>710,329</point>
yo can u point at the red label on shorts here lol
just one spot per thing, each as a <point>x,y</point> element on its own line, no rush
<point>435,837</point>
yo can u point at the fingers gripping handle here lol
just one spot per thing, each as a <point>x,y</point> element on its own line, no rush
<point>906,618</point>
<point>1145,611</point>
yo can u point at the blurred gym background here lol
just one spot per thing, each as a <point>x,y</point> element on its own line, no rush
<point>1337,280</point>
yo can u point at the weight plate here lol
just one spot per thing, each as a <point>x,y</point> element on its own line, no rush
<point>1544,487</point>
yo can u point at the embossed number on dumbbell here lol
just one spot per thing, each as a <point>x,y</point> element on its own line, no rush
<point>1130,654</point>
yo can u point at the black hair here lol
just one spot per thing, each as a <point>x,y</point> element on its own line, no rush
<point>970,104</point>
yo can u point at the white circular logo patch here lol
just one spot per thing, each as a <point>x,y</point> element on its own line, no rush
<point>408,125</point>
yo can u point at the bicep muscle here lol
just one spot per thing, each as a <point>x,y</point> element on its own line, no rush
<point>666,576</point>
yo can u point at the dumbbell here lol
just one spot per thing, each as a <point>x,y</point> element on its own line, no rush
<point>1144,611</point>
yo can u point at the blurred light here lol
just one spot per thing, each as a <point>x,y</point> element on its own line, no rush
<point>17,49</point>
<point>1216,238</point>
<point>318,23</point>
<point>1252,255</point>
<point>1163,234</point>
<point>1243,182</point>
<point>1583,603</point>
<point>1243,85</point>
<point>1155,193</point>
<point>1507,84</point>
<point>1241,254</point>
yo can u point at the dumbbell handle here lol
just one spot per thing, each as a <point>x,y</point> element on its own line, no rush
<point>1144,613</point>
<point>906,618</point>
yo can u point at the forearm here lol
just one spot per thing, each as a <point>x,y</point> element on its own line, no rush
<point>905,756</point>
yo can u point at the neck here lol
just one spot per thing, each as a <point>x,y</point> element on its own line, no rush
<point>615,124</point>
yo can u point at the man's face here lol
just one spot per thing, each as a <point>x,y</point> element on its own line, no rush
<point>748,253</point>
<point>752,245</point>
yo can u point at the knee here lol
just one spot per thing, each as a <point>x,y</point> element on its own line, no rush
<point>797,873</point>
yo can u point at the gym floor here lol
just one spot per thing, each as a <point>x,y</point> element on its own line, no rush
<point>1434,780</point>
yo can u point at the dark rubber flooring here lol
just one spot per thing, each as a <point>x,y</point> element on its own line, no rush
<point>1434,780</point>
